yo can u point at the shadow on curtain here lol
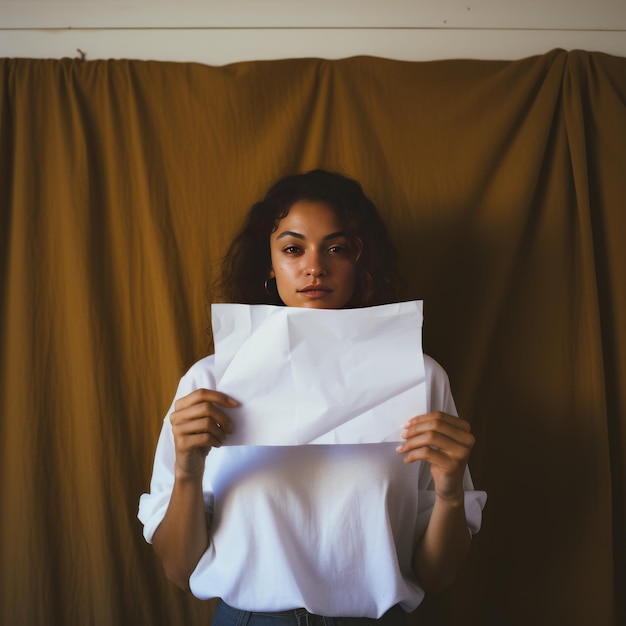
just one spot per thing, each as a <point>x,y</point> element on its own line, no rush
<point>121,182</point>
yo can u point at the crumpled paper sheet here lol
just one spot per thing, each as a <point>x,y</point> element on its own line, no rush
<point>319,376</point>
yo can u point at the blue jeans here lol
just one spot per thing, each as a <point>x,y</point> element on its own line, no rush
<point>226,615</point>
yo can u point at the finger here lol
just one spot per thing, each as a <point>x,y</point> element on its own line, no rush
<point>201,418</point>
<point>188,430</point>
<point>431,433</point>
<point>447,461</point>
<point>444,446</point>
<point>201,410</point>
<point>205,395</point>
<point>437,417</point>
<point>202,424</point>
<point>430,455</point>
<point>458,446</point>
<point>203,441</point>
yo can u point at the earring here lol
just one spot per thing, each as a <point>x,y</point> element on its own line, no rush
<point>267,290</point>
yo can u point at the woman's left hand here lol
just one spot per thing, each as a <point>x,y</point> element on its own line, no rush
<point>444,441</point>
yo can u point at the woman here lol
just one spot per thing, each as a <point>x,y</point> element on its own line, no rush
<point>284,535</point>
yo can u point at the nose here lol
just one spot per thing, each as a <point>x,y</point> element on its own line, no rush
<point>315,272</point>
<point>315,267</point>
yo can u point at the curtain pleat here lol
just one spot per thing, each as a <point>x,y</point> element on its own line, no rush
<point>122,183</point>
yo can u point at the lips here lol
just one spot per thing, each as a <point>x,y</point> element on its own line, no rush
<point>315,291</point>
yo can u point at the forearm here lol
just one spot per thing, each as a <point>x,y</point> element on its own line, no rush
<point>444,545</point>
<point>182,537</point>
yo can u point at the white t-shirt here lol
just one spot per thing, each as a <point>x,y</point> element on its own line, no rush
<point>330,528</point>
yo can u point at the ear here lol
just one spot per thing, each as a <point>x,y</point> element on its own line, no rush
<point>271,274</point>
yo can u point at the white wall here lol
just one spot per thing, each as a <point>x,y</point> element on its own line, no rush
<point>217,32</point>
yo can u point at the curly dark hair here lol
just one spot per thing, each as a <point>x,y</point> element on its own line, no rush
<point>246,265</point>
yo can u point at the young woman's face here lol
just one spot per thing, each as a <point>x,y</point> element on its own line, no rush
<point>312,259</point>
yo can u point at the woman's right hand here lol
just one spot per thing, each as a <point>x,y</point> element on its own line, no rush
<point>198,424</point>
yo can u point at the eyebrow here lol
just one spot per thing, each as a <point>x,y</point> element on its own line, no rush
<point>291,233</point>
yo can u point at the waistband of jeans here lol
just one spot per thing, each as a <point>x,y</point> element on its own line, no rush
<point>301,612</point>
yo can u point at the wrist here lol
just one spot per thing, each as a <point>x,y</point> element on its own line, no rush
<point>184,476</point>
<point>452,500</point>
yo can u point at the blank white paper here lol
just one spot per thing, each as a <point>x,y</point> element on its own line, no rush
<point>319,376</point>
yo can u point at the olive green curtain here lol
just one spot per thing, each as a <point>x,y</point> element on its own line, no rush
<point>503,183</point>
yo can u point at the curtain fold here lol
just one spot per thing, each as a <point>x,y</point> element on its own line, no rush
<point>597,115</point>
<point>121,184</point>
